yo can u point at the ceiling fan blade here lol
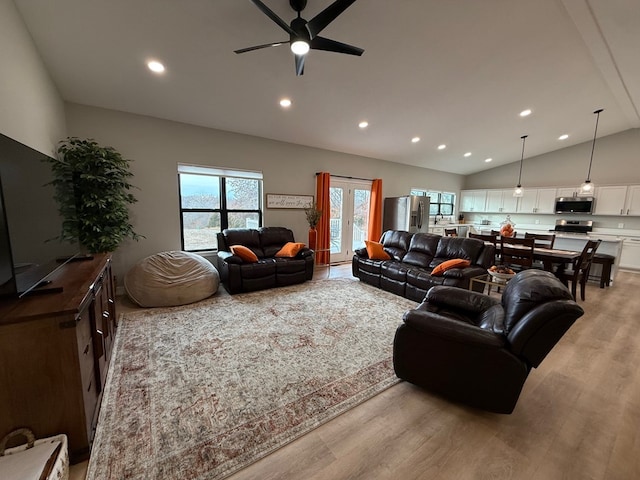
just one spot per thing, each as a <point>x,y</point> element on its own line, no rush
<point>281,23</point>
<point>321,43</point>
<point>328,15</point>
<point>258,47</point>
<point>299,65</point>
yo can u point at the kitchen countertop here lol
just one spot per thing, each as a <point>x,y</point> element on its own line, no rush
<point>449,225</point>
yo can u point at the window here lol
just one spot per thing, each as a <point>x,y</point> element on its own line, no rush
<point>441,203</point>
<point>212,199</point>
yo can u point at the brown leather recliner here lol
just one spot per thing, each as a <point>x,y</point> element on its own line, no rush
<point>477,350</point>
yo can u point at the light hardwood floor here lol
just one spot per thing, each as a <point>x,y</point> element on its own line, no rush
<point>578,417</point>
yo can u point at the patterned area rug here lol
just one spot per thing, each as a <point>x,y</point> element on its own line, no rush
<point>199,392</point>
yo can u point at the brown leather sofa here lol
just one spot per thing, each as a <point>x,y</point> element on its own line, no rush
<point>269,271</point>
<point>478,350</point>
<point>414,256</point>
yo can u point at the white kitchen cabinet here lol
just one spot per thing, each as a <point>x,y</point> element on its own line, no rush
<point>546,200</point>
<point>632,204</point>
<point>610,200</point>
<point>566,192</point>
<point>473,200</point>
<point>537,200</point>
<point>501,201</point>
<point>630,256</point>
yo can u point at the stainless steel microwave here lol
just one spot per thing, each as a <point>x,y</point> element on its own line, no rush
<point>583,205</point>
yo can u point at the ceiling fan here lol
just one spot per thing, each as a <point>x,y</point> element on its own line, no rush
<point>303,34</point>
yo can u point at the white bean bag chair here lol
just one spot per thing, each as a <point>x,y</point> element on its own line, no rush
<point>168,279</point>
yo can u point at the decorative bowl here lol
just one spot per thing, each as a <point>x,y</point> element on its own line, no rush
<point>501,277</point>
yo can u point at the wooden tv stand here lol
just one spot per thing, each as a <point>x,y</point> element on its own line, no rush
<point>55,350</point>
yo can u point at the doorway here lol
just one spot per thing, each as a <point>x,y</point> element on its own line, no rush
<point>349,221</point>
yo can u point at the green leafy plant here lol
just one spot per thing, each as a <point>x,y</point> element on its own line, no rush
<point>92,191</point>
<point>313,214</point>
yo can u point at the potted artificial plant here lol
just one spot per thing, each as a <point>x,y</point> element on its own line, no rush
<point>313,217</point>
<point>92,191</point>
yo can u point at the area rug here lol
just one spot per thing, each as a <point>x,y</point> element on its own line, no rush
<point>200,391</point>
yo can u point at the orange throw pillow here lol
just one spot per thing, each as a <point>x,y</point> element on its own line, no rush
<point>375,251</point>
<point>449,264</point>
<point>290,249</point>
<point>244,253</point>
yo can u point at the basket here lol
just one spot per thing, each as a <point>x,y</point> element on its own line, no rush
<point>501,277</point>
<point>47,458</point>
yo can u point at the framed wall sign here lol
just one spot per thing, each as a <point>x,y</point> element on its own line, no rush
<point>281,200</point>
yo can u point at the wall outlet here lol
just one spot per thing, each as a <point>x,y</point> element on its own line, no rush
<point>537,222</point>
<point>621,225</point>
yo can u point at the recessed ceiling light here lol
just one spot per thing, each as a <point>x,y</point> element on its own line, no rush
<point>155,66</point>
<point>442,147</point>
<point>468,154</point>
<point>487,160</point>
<point>525,113</point>
<point>363,124</point>
<point>563,137</point>
<point>285,103</point>
<point>415,139</point>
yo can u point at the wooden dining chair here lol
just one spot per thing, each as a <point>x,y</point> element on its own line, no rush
<point>579,271</point>
<point>493,239</point>
<point>497,232</point>
<point>516,253</point>
<point>542,240</point>
<point>450,232</point>
<point>485,238</point>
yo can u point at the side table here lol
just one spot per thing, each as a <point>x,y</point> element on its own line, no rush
<point>323,264</point>
<point>487,280</point>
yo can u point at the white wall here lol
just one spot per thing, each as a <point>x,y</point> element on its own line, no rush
<point>156,146</point>
<point>32,111</point>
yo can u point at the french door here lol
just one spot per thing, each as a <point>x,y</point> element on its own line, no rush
<point>349,219</point>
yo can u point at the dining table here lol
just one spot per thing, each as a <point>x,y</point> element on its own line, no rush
<point>550,256</point>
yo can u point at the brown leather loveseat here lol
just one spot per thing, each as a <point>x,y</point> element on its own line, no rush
<point>267,270</point>
<point>413,258</point>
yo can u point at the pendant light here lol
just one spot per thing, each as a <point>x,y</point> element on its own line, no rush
<point>587,188</point>
<point>519,191</point>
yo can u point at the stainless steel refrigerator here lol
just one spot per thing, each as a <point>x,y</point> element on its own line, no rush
<point>409,213</point>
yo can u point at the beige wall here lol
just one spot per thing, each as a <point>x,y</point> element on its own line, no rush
<point>31,111</point>
<point>157,146</point>
<point>615,162</point>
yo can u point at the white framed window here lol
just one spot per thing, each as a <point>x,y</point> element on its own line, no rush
<point>212,199</point>
<point>440,203</point>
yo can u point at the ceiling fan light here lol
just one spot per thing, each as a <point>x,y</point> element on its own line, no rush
<point>300,47</point>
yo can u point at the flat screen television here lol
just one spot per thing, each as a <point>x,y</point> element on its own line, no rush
<point>29,221</point>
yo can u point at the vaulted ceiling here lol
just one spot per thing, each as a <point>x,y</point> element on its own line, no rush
<point>454,73</point>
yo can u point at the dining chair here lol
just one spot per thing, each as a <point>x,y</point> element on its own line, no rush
<point>517,252</point>
<point>450,232</point>
<point>485,238</point>
<point>497,232</point>
<point>579,270</point>
<point>542,240</point>
<point>492,239</point>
